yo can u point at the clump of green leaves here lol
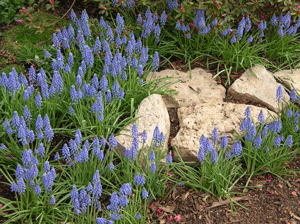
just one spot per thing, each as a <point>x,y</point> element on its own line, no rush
<point>10,8</point>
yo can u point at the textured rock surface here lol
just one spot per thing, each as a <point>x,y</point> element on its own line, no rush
<point>152,111</point>
<point>202,88</point>
<point>203,118</point>
<point>289,79</point>
<point>201,108</point>
<point>259,89</point>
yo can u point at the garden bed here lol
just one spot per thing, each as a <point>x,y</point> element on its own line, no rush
<point>157,191</point>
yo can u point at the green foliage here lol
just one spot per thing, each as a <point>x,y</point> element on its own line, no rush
<point>217,173</point>
<point>231,10</point>
<point>9,10</point>
<point>28,40</point>
<point>267,148</point>
<point>219,179</point>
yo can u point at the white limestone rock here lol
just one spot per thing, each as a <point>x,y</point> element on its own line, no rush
<point>290,79</point>
<point>257,86</point>
<point>152,111</point>
<point>201,88</point>
<point>203,118</point>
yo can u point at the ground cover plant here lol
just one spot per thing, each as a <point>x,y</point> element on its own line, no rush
<point>90,84</point>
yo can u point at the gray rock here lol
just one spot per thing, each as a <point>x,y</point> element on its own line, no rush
<point>203,118</point>
<point>202,88</point>
<point>257,86</point>
<point>290,79</point>
<point>151,112</point>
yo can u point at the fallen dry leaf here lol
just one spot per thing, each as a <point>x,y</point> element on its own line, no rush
<point>185,196</point>
<point>294,216</point>
<point>169,209</point>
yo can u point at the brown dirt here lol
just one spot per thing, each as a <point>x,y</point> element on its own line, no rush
<point>270,200</point>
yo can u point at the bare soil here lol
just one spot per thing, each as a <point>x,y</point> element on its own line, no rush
<point>268,200</point>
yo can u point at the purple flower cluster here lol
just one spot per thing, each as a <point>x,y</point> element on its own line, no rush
<point>29,173</point>
<point>118,202</point>
<point>284,25</point>
<point>21,126</point>
<point>82,199</point>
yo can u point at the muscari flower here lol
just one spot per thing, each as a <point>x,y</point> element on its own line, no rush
<point>293,94</point>
<point>289,141</point>
<point>57,83</point>
<point>144,194</point>
<point>224,142</point>
<point>139,179</point>
<point>261,117</point>
<point>37,189</point>
<point>257,142</point>
<point>155,62</point>
<point>228,155</point>
<point>56,156</point>
<point>103,221</point>
<point>153,167</point>
<point>111,167</point>
<point>2,146</point>
<point>38,100</point>
<point>251,133</point>
<point>233,40</point>
<point>138,216</point>
<point>236,149</point>
<point>114,203</point>
<point>290,113</point>
<point>280,31</point>
<point>32,75</point>
<point>274,21</point>
<point>19,172</point>
<point>26,95</point>
<point>214,22</point>
<point>277,141</point>
<point>21,187</point>
<point>215,136</point>
<point>41,151</point>
<point>66,152</point>
<point>112,141</point>
<point>126,189</point>
<point>49,134</point>
<point>52,200</point>
<point>47,54</point>
<point>169,158</point>
<point>279,94</point>
<point>152,155</point>
<point>214,157</point>
<point>103,83</point>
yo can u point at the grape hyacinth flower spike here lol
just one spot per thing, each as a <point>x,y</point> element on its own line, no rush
<point>279,94</point>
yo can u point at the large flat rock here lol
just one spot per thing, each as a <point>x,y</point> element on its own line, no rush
<point>257,86</point>
<point>201,88</point>
<point>203,118</point>
<point>290,79</point>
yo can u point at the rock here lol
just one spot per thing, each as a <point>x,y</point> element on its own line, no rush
<point>260,89</point>
<point>203,118</point>
<point>290,79</point>
<point>152,111</point>
<point>202,88</point>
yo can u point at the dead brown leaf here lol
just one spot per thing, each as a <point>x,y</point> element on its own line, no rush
<point>169,209</point>
<point>185,196</point>
<point>294,216</point>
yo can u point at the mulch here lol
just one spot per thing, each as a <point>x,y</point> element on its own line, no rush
<point>270,200</point>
